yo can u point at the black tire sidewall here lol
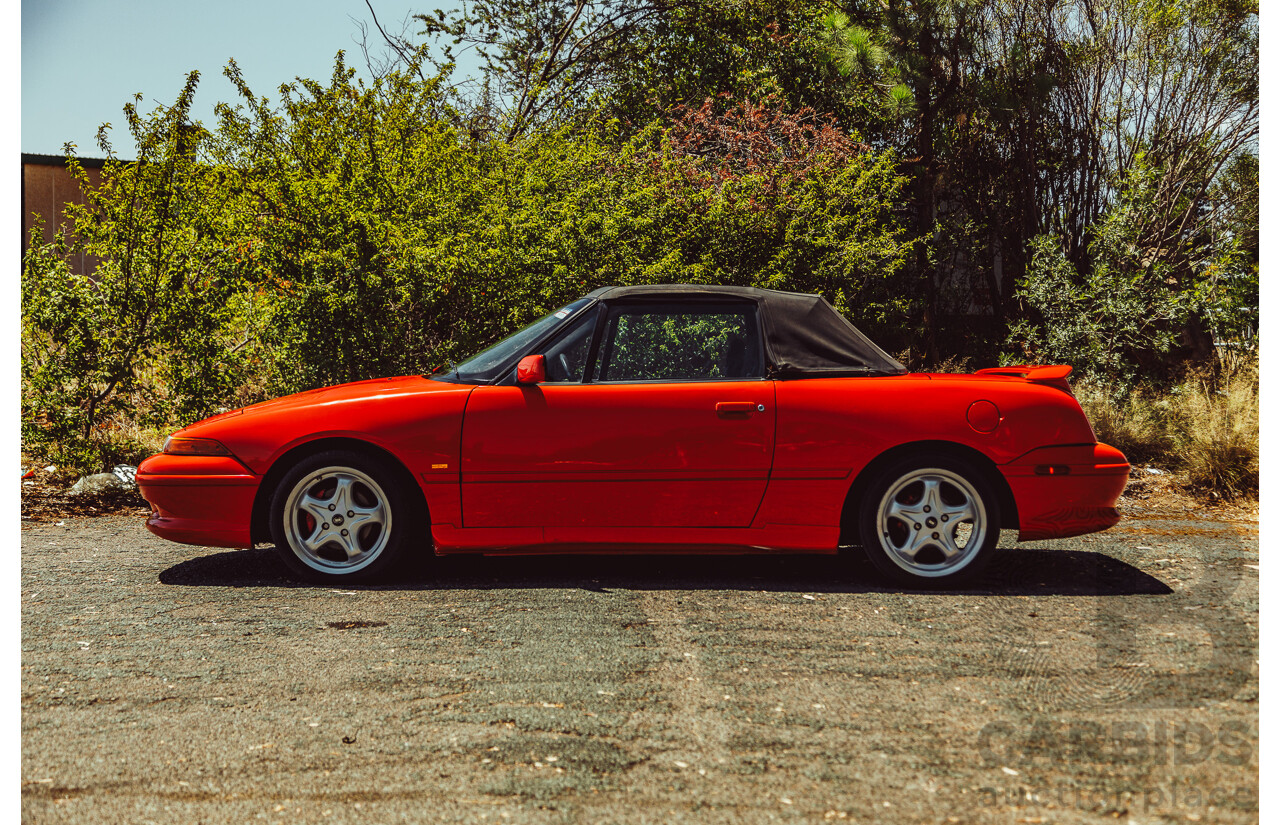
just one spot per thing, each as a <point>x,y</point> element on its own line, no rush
<point>397,502</point>
<point>878,555</point>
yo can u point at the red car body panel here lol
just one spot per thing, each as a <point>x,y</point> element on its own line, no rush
<point>678,467</point>
<point>831,428</point>
<point>1071,503</point>
<point>199,499</point>
<point>416,420</point>
<point>691,454</point>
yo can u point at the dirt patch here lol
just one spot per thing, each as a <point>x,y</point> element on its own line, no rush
<point>1150,494</point>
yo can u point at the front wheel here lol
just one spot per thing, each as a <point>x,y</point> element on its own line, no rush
<point>930,521</point>
<point>339,516</point>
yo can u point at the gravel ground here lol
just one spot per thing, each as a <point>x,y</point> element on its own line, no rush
<point>1106,678</point>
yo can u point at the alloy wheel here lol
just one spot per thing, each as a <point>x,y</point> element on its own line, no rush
<point>337,520</point>
<point>932,522</point>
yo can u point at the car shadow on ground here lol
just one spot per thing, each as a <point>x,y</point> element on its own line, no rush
<point>1019,572</point>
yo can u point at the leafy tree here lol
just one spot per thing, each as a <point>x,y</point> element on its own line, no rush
<point>1228,286</point>
<point>1115,322</point>
<point>748,193</point>
<point>856,51</point>
<point>543,60</point>
<point>1130,310</point>
<point>1029,119</point>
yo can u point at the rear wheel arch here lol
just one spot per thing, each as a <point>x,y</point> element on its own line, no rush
<point>260,529</point>
<point>849,514</point>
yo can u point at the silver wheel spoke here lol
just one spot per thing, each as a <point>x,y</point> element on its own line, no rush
<point>318,509</point>
<point>342,495</point>
<point>376,513</point>
<point>917,540</point>
<point>908,513</point>
<point>364,518</point>
<point>319,539</point>
<point>931,501</point>
<point>959,512</point>
<point>349,544</point>
<point>947,543</point>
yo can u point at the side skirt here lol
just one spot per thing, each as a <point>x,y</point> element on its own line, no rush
<point>782,538</point>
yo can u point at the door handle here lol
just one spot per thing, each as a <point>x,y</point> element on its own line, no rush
<point>735,409</point>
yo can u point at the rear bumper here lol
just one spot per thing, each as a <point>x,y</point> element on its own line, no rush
<point>1080,500</point>
<point>202,500</point>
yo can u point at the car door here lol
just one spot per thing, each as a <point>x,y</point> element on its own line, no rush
<point>652,415</point>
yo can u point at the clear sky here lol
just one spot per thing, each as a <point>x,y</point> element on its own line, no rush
<point>82,60</point>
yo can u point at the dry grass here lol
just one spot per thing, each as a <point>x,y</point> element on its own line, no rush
<point>1136,423</point>
<point>1205,429</point>
<point>1216,433</point>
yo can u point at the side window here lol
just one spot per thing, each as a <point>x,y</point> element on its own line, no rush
<point>567,355</point>
<point>680,342</point>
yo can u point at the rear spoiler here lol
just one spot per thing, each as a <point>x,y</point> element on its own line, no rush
<point>1055,375</point>
<point>1031,373</point>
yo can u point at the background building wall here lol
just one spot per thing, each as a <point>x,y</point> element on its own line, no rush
<point>47,187</point>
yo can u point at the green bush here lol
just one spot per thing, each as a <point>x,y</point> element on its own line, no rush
<point>1115,319</point>
<point>165,302</point>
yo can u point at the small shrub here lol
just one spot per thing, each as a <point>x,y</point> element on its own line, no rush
<point>1118,318</point>
<point>1216,432</point>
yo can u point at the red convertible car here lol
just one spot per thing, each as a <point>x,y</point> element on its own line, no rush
<point>650,419</point>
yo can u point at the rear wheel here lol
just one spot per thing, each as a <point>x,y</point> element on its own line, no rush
<point>930,521</point>
<point>340,516</point>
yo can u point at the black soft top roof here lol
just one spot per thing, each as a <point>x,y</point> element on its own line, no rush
<point>803,334</point>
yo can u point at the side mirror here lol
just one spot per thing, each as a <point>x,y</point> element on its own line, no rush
<point>532,369</point>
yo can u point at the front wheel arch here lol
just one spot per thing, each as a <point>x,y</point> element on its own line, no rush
<point>858,489</point>
<point>260,528</point>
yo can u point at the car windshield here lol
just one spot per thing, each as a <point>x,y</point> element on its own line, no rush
<point>497,359</point>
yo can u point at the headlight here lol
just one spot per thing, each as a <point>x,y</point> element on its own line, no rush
<point>174,445</point>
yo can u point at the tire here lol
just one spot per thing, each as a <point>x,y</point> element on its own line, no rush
<point>342,516</point>
<point>929,521</point>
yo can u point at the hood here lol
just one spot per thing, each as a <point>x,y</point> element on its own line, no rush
<point>339,393</point>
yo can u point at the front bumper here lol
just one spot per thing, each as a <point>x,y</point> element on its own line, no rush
<point>1072,503</point>
<point>203,500</point>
